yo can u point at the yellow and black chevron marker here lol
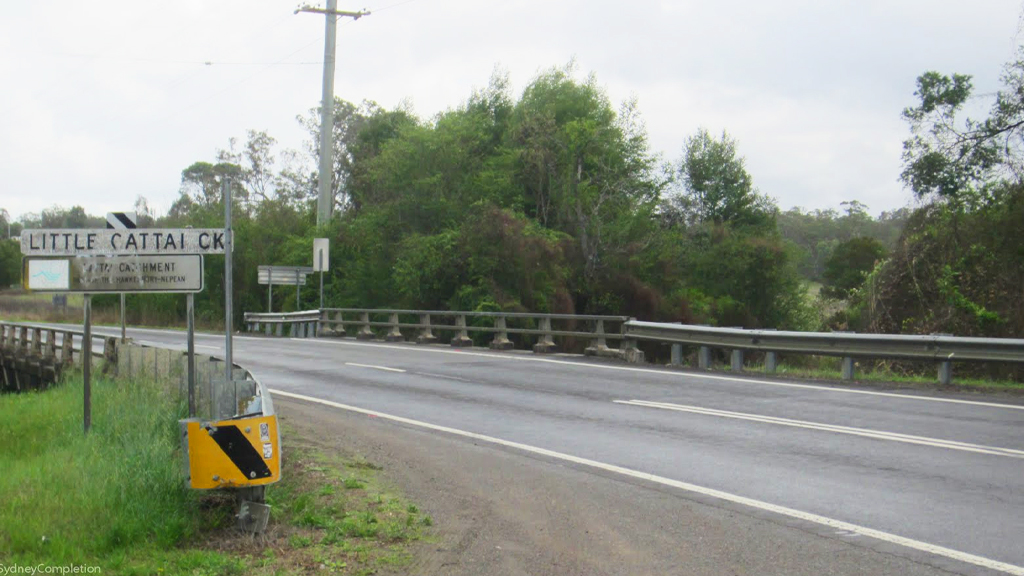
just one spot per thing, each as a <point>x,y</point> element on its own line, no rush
<point>232,453</point>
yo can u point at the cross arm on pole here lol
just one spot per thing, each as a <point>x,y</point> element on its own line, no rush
<point>353,15</point>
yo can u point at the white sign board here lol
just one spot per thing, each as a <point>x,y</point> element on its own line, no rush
<point>48,275</point>
<point>321,253</point>
<point>104,242</point>
<point>283,275</point>
<point>94,274</point>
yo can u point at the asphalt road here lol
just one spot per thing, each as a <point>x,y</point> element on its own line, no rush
<point>932,479</point>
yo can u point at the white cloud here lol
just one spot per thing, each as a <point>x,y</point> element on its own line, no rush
<point>107,100</point>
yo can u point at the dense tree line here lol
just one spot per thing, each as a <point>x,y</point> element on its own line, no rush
<point>552,201</point>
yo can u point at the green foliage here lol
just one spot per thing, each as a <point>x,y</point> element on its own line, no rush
<point>549,202</point>
<point>10,263</point>
<point>954,271</point>
<point>960,160</point>
<point>850,264</point>
<point>815,235</point>
<point>716,186</point>
<point>122,483</point>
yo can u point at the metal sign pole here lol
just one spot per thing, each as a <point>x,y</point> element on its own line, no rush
<point>87,361</point>
<point>228,288</point>
<point>321,253</point>
<point>297,291</point>
<point>122,318</point>
<point>191,355</point>
<point>270,292</point>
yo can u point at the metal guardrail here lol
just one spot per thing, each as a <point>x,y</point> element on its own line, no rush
<point>943,349</point>
<point>332,321</point>
<point>940,348</point>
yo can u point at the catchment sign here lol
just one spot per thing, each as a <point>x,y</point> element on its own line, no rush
<point>104,242</point>
<point>95,274</point>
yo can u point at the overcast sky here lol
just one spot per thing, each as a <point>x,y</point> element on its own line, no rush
<point>103,101</point>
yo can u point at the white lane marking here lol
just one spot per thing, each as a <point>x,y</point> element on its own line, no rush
<point>444,377</point>
<point>865,432</point>
<point>374,367</point>
<point>686,486</point>
<point>661,373</point>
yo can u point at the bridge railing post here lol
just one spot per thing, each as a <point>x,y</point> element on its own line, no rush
<point>599,344</point>
<point>394,333</point>
<point>630,351</point>
<point>426,334</point>
<point>50,351</point>
<point>546,343</point>
<point>67,349</point>
<point>461,337</point>
<point>37,342</point>
<point>771,362</point>
<point>501,341</point>
<point>365,332</point>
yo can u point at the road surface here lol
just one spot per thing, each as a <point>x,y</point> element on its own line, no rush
<point>646,462</point>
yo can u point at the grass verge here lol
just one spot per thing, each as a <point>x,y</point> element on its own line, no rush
<point>115,498</point>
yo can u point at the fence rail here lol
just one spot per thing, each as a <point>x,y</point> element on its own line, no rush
<point>941,348</point>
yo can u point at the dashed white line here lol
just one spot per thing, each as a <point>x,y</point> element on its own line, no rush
<point>693,488</point>
<point>865,432</point>
<point>375,367</point>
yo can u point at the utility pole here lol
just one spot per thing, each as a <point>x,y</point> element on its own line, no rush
<point>325,201</point>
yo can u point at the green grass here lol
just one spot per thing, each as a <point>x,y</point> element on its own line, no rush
<point>116,498</point>
<point>66,496</point>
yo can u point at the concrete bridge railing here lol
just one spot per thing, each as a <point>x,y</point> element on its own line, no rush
<point>362,322</point>
<point>32,357</point>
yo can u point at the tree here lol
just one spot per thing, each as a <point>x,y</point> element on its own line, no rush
<point>960,160</point>
<point>850,264</point>
<point>717,189</point>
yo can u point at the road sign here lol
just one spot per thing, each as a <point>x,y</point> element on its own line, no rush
<point>283,275</point>
<point>94,274</point>
<point>122,220</point>
<point>105,242</point>
<point>321,254</point>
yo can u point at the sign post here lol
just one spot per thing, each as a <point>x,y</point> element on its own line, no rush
<point>87,362</point>
<point>321,259</point>
<point>91,261</point>
<point>228,309</point>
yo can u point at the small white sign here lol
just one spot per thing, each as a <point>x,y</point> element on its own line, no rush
<point>49,274</point>
<point>321,253</point>
<point>268,450</point>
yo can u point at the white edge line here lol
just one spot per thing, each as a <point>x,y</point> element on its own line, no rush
<point>375,367</point>
<point>838,429</point>
<point>660,372</point>
<point>726,496</point>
